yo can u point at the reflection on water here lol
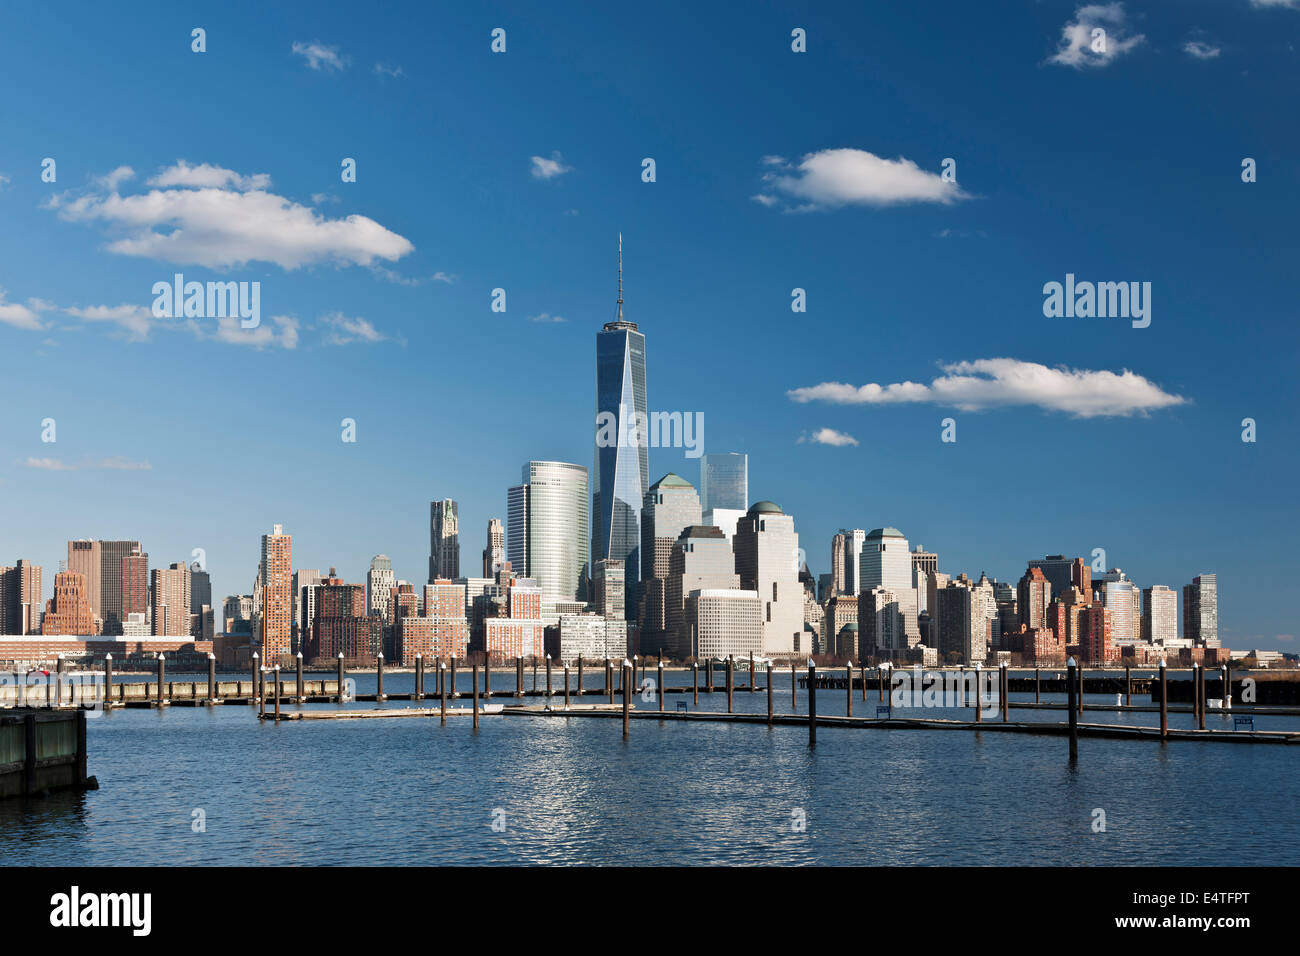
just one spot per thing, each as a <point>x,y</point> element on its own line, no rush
<point>413,792</point>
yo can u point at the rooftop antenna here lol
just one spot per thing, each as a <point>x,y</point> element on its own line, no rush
<point>620,277</point>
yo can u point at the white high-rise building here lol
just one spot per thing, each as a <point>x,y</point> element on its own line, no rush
<point>724,622</point>
<point>886,563</point>
<point>767,559</point>
<point>1159,614</point>
<point>725,519</point>
<point>547,532</point>
<point>380,581</point>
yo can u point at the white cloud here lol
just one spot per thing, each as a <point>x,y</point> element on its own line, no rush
<point>547,317</point>
<point>1287,4</point>
<point>319,56</point>
<point>114,463</point>
<point>384,69</point>
<point>26,317</point>
<point>114,179</point>
<point>1201,50</point>
<point>346,330</point>
<point>1079,47</point>
<point>1001,382</point>
<point>549,168</point>
<point>207,176</point>
<point>838,177</point>
<point>136,320</point>
<point>281,333</point>
<point>829,436</point>
<point>209,216</point>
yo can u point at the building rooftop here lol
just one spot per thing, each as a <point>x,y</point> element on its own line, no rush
<point>766,508</point>
<point>885,533</point>
<point>671,480</point>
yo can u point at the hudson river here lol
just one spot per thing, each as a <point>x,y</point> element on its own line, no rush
<point>574,792</point>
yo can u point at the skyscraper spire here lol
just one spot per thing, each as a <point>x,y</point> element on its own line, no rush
<point>620,277</point>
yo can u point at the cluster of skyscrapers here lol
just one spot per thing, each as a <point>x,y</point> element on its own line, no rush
<point>604,563</point>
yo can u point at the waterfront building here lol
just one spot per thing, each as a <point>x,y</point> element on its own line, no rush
<point>69,611</point>
<point>1159,614</point>
<point>1201,611</point>
<point>546,530</point>
<point>767,549</point>
<point>700,560</point>
<point>608,589</point>
<point>275,611</point>
<point>621,473</point>
<point>342,625</point>
<point>841,609</point>
<point>170,588</point>
<point>135,584</point>
<point>441,629</point>
<point>1034,594</point>
<point>1096,645</point>
<point>305,581</point>
<point>100,563</point>
<point>880,624</point>
<point>20,598</point>
<point>886,562</point>
<point>962,627</point>
<point>444,540</point>
<point>380,581</point>
<point>923,562</point>
<point>670,506</point>
<point>724,622</point>
<point>592,636</point>
<point>724,481</point>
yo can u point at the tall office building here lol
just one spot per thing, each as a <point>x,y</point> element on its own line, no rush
<point>200,588</point>
<point>342,625</point>
<point>275,580</point>
<point>135,584</point>
<point>701,559</point>
<point>1201,611</point>
<point>20,598</point>
<point>725,519</point>
<point>546,529</point>
<point>444,540</point>
<point>724,481</point>
<point>767,548</point>
<point>621,475</point>
<point>923,562</point>
<point>171,590</point>
<point>305,581</point>
<point>670,507</point>
<point>69,612</point>
<point>1122,598</point>
<point>880,625</point>
<point>100,563</point>
<point>380,581</point>
<point>1034,594</point>
<point>1159,614</point>
<point>886,563</point>
<point>724,622</point>
<point>494,555</point>
<point>608,589</point>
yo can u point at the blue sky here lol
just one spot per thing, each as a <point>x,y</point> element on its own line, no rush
<point>1117,167</point>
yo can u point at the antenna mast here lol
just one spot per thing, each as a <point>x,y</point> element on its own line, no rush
<point>620,277</point>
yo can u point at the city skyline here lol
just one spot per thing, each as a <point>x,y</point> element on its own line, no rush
<point>896,292</point>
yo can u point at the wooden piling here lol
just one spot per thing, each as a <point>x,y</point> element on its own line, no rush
<point>609,679</point>
<point>1006,694</point>
<point>731,682</point>
<point>1074,714</point>
<point>476,697</point>
<point>708,674</point>
<point>379,673</point>
<point>442,689</point>
<point>261,690</point>
<point>1081,687</point>
<point>660,677</point>
<point>1202,695</point>
<point>880,680</point>
<point>862,668</point>
<point>452,678</point>
<point>212,677</point>
<point>519,677</point>
<point>979,703</point>
<point>626,672</point>
<point>1164,703</point>
<point>276,677</point>
<point>548,680</point>
<point>812,704</point>
<point>579,675</point>
<point>419,677</point>
<point>848,672</point>
<point>1128,685</point>
<point>256,661</point>
<point>566,685</point>
<point>1227,688</point>
<point>794,687</point>
<point>162,670</point>
<point>108,679</point>
<point>695,681</point>
<point>752,688</point>
<point>1037,686</point>
<point>769,693</point>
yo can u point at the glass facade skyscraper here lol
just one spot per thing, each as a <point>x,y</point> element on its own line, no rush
<point>622,461</point>
<point>724,481</point>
